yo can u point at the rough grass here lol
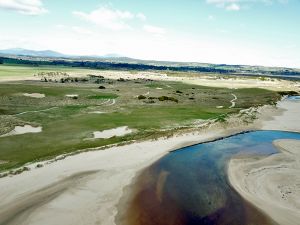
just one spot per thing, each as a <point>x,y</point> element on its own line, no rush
<point>24,71</point>
<point>67,126</point>
<point>103,96</point>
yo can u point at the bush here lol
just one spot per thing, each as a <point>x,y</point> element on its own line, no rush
<point>289,93</point>
<point>166,98</point>
<point>140,97</point>
<point>121,80</point>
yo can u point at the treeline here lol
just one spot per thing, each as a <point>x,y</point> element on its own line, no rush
<point>235,70</point>
<point>113,65</point>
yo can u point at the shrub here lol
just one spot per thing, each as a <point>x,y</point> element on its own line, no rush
<point>166,98</point>
<point>290,93</point>
<point>140,97</point>
<point>121,80</point>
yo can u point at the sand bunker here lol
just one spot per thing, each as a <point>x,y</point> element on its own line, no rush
<point>72,96</point>
<point>23,130</point>
<point>118,132</point>
<point>96,112</point>
<point>34,95</point>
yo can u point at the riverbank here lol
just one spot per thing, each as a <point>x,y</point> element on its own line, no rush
<point>273,183</point>
<point>86,188</point>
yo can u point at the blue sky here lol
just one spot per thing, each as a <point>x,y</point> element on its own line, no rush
<point>256,32</point>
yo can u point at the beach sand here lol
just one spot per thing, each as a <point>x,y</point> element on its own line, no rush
<point>86,188</point>
<point>273,183</point>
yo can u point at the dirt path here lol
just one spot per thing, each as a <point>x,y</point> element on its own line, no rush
<point>233,101</point>
<point>35,111</point>
<point>113,101</point>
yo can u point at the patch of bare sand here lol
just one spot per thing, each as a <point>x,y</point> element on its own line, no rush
<point>23,130</point>
<point>118,132</point>
<point>272,183</point>
<point>72,95</point>
<point>34,95</point>
<point>288,119</point>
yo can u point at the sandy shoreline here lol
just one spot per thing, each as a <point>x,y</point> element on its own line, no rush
<point>86,188</point>
<point>93,200</point>
<point>272,183</point>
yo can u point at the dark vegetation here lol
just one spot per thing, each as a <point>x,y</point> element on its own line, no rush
<point>139,65</point>
<point>288,93</point>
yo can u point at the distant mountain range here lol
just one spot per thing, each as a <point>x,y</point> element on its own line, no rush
<point>49,53</point>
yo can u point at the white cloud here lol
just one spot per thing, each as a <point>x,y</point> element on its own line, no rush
<point>27,7</point>
<point>236,5</point>
<point>141,16</point>
<point>233,7</point>
<point>81,30</point>
<point>110,18</point>
<point>154,29</point>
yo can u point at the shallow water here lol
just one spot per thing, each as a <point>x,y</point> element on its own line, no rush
<point>190,185</point>
<point>294,98</point>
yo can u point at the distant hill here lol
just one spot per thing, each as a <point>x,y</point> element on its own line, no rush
<point>118,62</point>
<point>50,54</point>
<point>27,52</point>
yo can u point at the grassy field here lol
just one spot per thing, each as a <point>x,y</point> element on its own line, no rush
<point>68,123</point>
<point>23,71</point>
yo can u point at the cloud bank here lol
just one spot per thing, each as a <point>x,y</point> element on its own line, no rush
<point>27,7</point>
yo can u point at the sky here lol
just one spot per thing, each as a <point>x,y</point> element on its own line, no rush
<point>251,32</point>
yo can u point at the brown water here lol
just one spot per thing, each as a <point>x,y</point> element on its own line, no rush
<point>190,186</point>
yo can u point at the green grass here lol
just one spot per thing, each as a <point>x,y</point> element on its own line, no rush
<point>67,127</point>
<point>103,96</point>
<point>67,132</point>
<point>23,71</point>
